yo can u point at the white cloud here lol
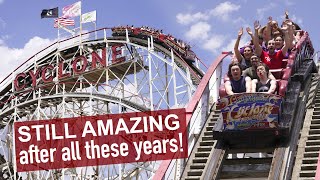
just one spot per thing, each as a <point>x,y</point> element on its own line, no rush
<point>1,1</point>
<point>214,43</point>
<point>230,46</point>
<point>11,58</point>
<point>186,19</point>
<point>199,31</point>
<point>36,43</point>
<point>262,11</point>
<point>239,20</point>
<point>224,9</point>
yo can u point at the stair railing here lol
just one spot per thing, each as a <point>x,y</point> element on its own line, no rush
<point>304,50</point>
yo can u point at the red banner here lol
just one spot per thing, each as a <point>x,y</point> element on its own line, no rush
<point>100,140</point>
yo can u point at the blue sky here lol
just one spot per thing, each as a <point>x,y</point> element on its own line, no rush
<point>209,26</point>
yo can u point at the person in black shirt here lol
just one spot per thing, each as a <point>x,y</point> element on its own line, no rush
<point>237,82</point>
<point>264,84</point>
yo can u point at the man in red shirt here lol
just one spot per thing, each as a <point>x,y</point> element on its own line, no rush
<point>273,59</point>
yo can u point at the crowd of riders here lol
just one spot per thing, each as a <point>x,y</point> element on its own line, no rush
<point>151,30</point>
<point>269,45</point>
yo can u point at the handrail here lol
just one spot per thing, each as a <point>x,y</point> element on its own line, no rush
<point>160,173</point>
<point>302,51</point>
<point>317,176</point>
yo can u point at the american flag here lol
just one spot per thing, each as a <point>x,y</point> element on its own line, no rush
<point>63,22</point>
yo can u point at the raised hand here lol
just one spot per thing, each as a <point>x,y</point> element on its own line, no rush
<point>286,14</point>
<point>270,20</point>
<point>256,25</point>
<point>284,28</point>
<point>249,31</point>
<point>240,32</point>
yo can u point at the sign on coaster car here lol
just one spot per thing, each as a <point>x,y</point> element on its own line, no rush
<point>250,111</point>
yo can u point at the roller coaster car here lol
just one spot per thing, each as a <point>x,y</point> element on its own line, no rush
<point>166,41</point>
<point>253,119</point>
<point>190,57</point>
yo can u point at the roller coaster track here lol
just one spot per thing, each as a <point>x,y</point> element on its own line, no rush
<point>148,77</point>
<point>31,105</point>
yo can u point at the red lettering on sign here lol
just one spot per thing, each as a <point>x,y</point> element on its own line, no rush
<point>44,78</point>
<point>80,61</point>
<point>17,85</point>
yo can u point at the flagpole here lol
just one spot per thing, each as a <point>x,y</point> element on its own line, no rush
<point>95,24</point>
<point>80,30</point>
<point>58,29</point>
<point>95,29</point>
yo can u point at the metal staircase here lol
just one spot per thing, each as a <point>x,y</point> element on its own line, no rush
<point>202,152</point>
<point>309,142</point>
